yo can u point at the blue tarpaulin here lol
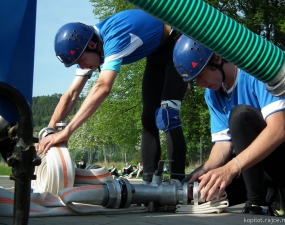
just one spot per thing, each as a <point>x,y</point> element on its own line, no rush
<point>17,45</point>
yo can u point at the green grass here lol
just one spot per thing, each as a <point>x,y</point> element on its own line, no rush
<point>5,170</point>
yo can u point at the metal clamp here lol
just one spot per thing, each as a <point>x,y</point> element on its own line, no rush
<point>61,125</point>
<point>46,131</point>
<point>195,193</point>
<point>277,86</point>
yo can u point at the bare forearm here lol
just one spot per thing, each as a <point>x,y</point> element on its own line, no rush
<point>95,97</point>
<point>261,147</point>
<point>68,100</point>
<point>264,144</point>
<point>62,110</point>
<point>219,156</point>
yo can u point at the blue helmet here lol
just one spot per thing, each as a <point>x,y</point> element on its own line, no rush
<point>70,42</point>
<point>190,57</point>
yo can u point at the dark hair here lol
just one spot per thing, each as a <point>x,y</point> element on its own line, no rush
<point>212,59</point>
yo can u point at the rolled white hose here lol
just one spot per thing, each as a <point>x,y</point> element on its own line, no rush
<point>60,190</point>
<point>93,176</point>
<point>57,171</point>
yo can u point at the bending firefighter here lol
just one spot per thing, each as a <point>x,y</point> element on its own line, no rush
<point>244,118</point>
<point>124,38</point>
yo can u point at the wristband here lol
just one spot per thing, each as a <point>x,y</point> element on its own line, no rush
<point>238,166</point>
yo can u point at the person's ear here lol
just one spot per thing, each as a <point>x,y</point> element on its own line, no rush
<point>217,59</point>
<point>220,60</point>
<point>92,45</point>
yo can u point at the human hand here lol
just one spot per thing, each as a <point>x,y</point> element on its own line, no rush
<point>47,142</point>
<point>196,175</point>
<point>194,178</point>
<point>214,181</point>
<point>37,146</point>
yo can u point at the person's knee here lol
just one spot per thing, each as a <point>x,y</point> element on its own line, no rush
<point>239,112</point>
<point>242,115</point>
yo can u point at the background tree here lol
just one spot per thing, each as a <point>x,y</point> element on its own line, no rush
<point>43,107</point>
<point>263,17</point>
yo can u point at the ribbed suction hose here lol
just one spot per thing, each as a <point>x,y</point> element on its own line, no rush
<point>224,36</point>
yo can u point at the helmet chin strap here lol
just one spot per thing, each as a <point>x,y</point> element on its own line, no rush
<point>99,54</point>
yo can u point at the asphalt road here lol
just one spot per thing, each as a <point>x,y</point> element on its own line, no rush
<point>5,182</point>
<point>231,216</point>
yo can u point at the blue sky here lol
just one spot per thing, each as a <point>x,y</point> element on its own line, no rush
<point>50,75</point>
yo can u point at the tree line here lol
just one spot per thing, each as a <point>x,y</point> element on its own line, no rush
<point>43,107</point>
<point>117,122</point>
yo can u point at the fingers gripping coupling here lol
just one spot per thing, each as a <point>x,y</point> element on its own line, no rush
<point>167,116</point>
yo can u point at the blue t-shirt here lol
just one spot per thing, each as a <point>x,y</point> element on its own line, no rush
<point>127,37</point>
<point>246,90</point>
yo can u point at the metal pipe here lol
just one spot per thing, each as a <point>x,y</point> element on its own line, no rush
<point>121,194</point>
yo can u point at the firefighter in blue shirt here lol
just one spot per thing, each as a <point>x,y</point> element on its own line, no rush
<point>123,38</point>
<point>244,117</point>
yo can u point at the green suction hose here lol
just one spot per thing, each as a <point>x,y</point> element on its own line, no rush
<point>222,35</point>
